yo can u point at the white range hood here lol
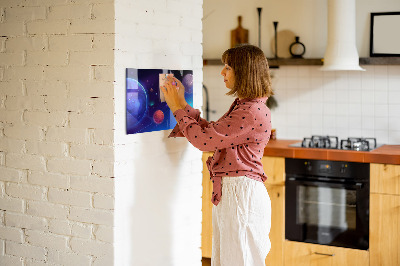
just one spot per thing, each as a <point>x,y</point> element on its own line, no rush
<point>341,51</point>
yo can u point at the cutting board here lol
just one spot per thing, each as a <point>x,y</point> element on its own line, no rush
<point>239,35</point>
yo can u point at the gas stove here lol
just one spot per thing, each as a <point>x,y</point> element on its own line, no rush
<point>332,142</point>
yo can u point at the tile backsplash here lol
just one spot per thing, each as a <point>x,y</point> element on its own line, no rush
<point>314,102</point>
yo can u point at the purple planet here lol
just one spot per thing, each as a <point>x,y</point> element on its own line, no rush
<point>136,101</point>
<point>187,82</point>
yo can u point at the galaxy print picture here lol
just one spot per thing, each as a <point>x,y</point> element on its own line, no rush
<point>146,109</point>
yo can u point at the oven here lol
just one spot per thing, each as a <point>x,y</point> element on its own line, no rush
<point>327,202</point>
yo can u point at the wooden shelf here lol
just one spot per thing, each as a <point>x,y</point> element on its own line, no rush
<point>212,62</point>
<point>274,63</point>
<point>380,61</point>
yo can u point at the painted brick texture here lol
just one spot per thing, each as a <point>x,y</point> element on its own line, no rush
<point>158,180</point>
<point>63,140</point>
<point>56,132</point>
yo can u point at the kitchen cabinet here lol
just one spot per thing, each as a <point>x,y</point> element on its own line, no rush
<point>305,254</point>
<point>206,225</point>
<point>384,248</point>
<point>385,230</point>
<point>384,244</point>
<point>274,168</point>
<point>385,178</point>
<point>385,214</point>
<point>277,233</point>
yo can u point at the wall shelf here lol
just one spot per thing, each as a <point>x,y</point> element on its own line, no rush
<point>274,63</point>
<point>380,61</point>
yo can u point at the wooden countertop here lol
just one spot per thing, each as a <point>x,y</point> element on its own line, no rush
<point>389,154</point>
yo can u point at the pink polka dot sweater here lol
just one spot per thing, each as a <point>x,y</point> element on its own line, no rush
<point>238,139</point>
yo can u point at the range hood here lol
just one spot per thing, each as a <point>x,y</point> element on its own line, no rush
<point>341,51</point>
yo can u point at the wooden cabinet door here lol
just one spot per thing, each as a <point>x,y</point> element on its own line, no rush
<point>304,254</point>
<point>274,168</point>
<point>385,178</point>
<point>277,233</point>
<point>206,225</point>
<point>384,236</point>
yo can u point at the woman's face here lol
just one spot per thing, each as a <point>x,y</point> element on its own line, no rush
<point>229,76</point>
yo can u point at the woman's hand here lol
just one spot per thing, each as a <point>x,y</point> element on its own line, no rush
<point>181,92</point>
<point>173,90</point>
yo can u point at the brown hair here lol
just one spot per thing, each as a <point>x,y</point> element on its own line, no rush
<point>250,66</point>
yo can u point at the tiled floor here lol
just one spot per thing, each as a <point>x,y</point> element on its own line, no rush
<point>206,261</point>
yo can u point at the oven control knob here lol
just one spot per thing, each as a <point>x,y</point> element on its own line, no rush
<point>308,166</point>
<point>343,168</point>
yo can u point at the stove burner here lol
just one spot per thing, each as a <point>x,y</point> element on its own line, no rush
<point>358,144</point>
<point>332,142</point>
<point>328,142</point>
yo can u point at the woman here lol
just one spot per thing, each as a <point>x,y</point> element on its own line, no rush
<point>242,208</point>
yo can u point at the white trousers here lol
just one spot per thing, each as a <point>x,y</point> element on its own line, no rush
<point>241,223</point>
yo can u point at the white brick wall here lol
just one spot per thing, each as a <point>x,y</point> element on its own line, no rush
<point>62,138</point>
<point>156,177</point>
<point>56,132</point>
<point>17,220</point>
<point>25,251</point>
<point>68,258</point>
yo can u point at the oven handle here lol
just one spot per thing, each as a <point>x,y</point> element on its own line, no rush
<point>357,185</point>
<point>324,254</point>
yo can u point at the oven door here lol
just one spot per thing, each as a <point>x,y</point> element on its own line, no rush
<point>327,213</point>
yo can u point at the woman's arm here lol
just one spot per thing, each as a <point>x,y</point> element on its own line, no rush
<point>237,128</point>
<point>193,113</point>
<point>174,92</point>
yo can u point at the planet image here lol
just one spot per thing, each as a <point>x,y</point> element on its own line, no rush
<point>187,82</point>
<point>136,102</point>
<point>158,117</point>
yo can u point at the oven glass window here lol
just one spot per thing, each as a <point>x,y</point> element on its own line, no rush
<point>326,207</point>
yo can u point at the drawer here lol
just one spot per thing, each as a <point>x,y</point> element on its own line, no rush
<point>298,253</point>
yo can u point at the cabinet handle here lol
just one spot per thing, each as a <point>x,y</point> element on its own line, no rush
<point>324,254</point>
